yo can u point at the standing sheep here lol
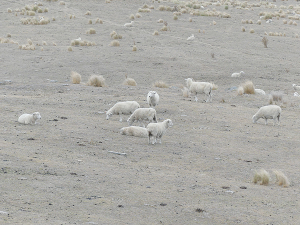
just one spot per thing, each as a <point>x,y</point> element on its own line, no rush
<point>268,112</point>
<point>152,98</point>
<point>134,131</point>
<point>29,118</point>
<point>142,114</point>
<point>120,108</point>
<point>156,130</point>
<point>199,87</point>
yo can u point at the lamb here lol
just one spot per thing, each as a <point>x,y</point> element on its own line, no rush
<point>120,108</point>
<point>268,112</point>
<point>237,74</point>
<point>142,114</point>
<point>29,118</point>
<point>152,98</point>
<point>156,130</point>
<point>190,38</point>
<point>134,131</point>
<point>199,87</point>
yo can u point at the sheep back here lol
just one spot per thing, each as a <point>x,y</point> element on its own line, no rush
<point>142,114</point>
<point>134,131</point>
<point>126,108</point>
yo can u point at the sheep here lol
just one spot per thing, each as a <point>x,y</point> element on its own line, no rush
<point>190,38</point>
<point>296,87</point>
<point>156,130</point>
<point>134,131</point>
<point>259,91</point>
<point>199,87</point>
<point>29,118</point>
<point>129,24</point>
<point>152,99</point>
<point>120,108</point>
<point>237,74</point>
<point>268,112</point>
<point>142,114</point>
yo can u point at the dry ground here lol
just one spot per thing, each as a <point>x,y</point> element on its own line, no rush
<point>60,171</point>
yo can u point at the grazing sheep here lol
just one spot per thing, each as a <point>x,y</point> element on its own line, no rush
<point>134,131</point>
<point>156,130</point>
<point>152,98</point>
<point>120,108</point>
<point>237,74</point>
<point>29,118</point>
<point>281,179</point>
<point>129,24</point>
<point>268,112</point>
<point>296,87</point>
<point>262,176</point>
<point>199,87</point>
<point>142,114</point>
<point>259,91</point>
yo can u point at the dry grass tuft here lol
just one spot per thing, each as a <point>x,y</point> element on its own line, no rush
<point>9,10</point>
<point>243,29</point>
<point>131,17</point>
<point>246,88</point>
<point>75,77</point>
<point>137,15</point>
<point>90,22</point>
<point>70,49</point>
<point>88,13</point>
<point>129,82</point>
<point>62,3</point>
<point>265,41</point>
<point>262,176</point>
<point>99,21</point>
<point>155,32</point>
<point>134,48</point>
<point>96,81</point>
<point>275,97</point>
<point>115,43</point>
<point>281,179</point>
<point>185,92</point>
<point>252,31</point>
<point>164,28</point>
<point>91,31</point>
<point>160,84</point>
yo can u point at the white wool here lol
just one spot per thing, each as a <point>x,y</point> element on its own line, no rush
<point>129,24</point>
<point>120,108</point>
<point>296,87</point>
<point>152,98</point>
<point>268,112</point>
<point>142,114</point>
<point>190,38</point>
<point>259,91</point>
<point>134,131</point>
<point>29,118</point>
<point>199,87</point>
<point>237,74</point>
<point>156,130</point>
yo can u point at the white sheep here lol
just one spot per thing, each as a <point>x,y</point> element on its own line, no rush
<point>134,131</point>
<point>190,38</point>
<point>296,87</point>
<point>268,112</point>
<point>29,118</point>
<point>142,114</point>
<point>237,74</point>
<point>259,91</point>
<point>129,24</point>
<point>156,130</point>
<point>152,98</point>
<point>199,87</point>
<point>120,108</point>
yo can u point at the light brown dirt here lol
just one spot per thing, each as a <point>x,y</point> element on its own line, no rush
<point>60,171</point>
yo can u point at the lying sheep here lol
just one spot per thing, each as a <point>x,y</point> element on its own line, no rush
<point>120,108</point>
<point>268,112</point>
<point>142,114</point>
<point>237,74</point>
<point>156,130</point>
<point>134,131</point>
<point>29,118</point>
<point>152,98</point>
<point>259,91</point>
<point>199,87</point>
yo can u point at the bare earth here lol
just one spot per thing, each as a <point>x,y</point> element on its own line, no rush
<point>60,171</point>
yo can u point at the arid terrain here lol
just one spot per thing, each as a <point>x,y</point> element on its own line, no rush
<point>62,169</point>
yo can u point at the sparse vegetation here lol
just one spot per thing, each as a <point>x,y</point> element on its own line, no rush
<point>265,41</point>
<point>160,84</point>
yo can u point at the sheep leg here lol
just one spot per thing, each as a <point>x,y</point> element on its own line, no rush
<point>266,121</point>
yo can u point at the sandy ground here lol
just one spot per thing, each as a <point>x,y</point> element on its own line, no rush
<point>60,171</point>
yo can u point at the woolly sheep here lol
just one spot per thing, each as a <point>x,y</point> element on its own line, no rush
<point>268,112</point>
<point>199,87</point>
<point>156,130</point>
<point>142,114</point>
<point>237,74</point>
<point>152,98</point>
<point>134,131</point>
<point>29,118</point>
<point>120,108</point>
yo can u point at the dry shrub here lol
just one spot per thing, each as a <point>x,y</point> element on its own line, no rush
<point>265,41</point>
<point>62,3</point>
<point>115,43</point>
<point>134,48</point>
<point>155,32</point>
<point>88,13</point>
<point>164,28</point>
<point>281,179</point>
<point>252,31</point>
<point>263,176</point>
<point>129,82</point>
<point>9,10</point>
<point>75,77</point>
<point>99,21</point>
<point>70,49</point>
<point>160,84</point>
<point>160,21</point>
<point>137,15</point>
<point>96,81</point>
<point>131,17</point>
<point>275,96</point>
<point>8,35</point>
<point>91,31</point>
<point>246,88</point>
<point>243,29</point>
<point>90,22</point>
<point>185,92</point>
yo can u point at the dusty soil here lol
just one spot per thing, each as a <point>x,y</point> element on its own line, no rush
<point>61,170</point>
